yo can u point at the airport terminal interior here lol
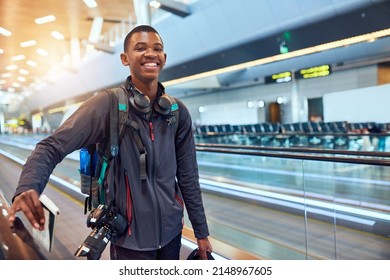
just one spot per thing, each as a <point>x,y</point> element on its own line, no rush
<point>289,102</point>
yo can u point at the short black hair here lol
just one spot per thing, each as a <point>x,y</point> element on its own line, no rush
<point>137,29</point>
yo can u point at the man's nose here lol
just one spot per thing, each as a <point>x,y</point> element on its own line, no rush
<point>150,53</point>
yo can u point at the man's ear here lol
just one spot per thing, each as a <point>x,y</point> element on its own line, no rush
<point>165,55</point>
<point>124,60</point>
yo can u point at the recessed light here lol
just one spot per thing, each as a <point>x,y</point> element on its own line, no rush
<point>45,19</point>
<point>28,43</point>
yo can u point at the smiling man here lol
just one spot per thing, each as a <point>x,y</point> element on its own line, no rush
<point>152,204</point>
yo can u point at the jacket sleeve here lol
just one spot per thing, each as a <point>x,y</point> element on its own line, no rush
<point>85,126</point>
<point>187,173</point>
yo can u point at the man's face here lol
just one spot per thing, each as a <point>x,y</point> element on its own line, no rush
<point>145,56</point>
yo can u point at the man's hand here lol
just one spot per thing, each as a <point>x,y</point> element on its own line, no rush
<point>204,246</point>
<point>29,203</point>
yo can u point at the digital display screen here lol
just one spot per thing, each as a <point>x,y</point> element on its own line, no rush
<point>313,72</point>
<point>283,77</point>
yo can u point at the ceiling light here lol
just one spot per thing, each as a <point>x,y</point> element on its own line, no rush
<point>249,104</point>
<point>90,3</point>
<point>45,19</point>
<point>12,67</point>
<point>15,84</point>
<point>18,57</point>
<point>261,103</point>
<point>57,35</point>
<point>6,75</point>
<point>5,32</point>
<point>28,43</point>
<point>155,4</point>
<point>42,52</point>
<point>280,100</point>
<point>32,63</point>
<point>24,72</point>
<point>21,79</point>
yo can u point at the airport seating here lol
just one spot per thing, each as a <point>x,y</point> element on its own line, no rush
<point>326,135</point>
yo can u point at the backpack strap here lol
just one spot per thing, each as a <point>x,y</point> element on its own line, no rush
<point>175,111</point>
<point>118,116</point>
<point>120,93</point>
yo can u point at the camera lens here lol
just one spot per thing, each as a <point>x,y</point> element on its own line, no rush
<point>94,244</point>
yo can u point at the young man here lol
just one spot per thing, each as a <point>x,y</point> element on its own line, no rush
<point>152,206</point>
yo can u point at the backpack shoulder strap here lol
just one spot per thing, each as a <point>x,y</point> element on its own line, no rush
<point>118,115</point>
<point>123,108</point>
<point>174,110</point>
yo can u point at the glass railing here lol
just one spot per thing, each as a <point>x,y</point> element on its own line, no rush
<point>334,141</point>
<point>298,205</point>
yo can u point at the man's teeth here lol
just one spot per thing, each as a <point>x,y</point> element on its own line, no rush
<point>150,64</point>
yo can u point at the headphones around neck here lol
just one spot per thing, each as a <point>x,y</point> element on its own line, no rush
<point>141,103</point>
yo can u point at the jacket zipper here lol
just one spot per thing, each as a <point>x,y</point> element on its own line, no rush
<point>151,132</point>
<point>129,204</point>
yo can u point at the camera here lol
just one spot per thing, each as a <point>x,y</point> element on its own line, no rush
<point>106,223</point>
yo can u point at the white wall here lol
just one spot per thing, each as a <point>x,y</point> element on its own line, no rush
<point>229,106</point>
<point>360,105</point>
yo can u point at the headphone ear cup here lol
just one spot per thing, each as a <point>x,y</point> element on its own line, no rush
<point>140,103</point>
<point>163,106</point>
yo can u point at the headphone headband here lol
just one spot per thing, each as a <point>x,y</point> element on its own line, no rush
<point>141,102</point>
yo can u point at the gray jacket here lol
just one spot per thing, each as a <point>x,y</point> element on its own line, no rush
<point>155,206</point>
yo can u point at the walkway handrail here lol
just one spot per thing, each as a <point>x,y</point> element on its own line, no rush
<point>373,158</point>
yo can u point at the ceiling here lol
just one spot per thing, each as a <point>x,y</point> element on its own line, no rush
<point>73,19</point>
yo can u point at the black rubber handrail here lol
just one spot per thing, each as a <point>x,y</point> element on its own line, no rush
<point>297,150</point>
<point>286,153</point>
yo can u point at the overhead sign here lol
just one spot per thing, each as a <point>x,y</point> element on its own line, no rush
<point>279,78</point>
<point>313,72</point>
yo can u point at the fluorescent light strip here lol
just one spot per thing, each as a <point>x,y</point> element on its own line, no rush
<point>28,43</point>
<point>90,3</point>
<point>332,45</point>
<point>42,52</point>
<point>45,19</point>
<point>11,67</point>
<point>57,35</point>
<point>18,57</point>
<point>24,72</point>
<point>5,32</point>
<point>32,63</point>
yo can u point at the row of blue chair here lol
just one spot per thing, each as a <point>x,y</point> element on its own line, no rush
<point>298,127</point>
